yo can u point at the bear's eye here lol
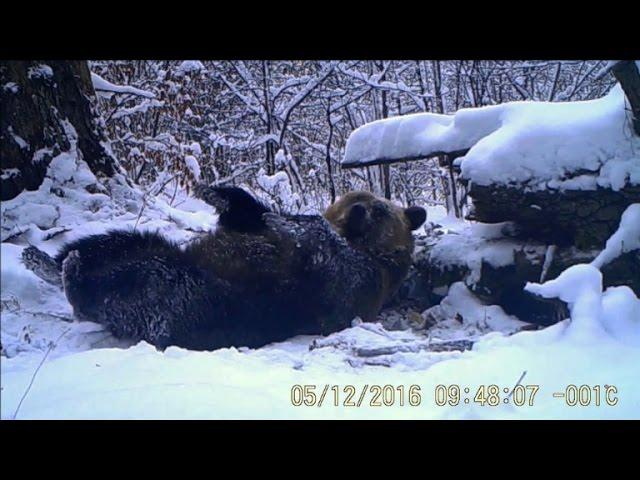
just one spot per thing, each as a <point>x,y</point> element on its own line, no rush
<point>378,210</point>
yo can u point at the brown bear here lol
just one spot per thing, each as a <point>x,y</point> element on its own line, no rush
<point>260,277</point>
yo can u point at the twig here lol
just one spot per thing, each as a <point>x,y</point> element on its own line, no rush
<point>13,235</point>
<point>144,204</point>
<point>517,383</point>
<point>47,314</point>
<point>59,231</point>
<point>52,345</point>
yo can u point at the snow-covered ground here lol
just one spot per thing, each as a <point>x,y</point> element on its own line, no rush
<point>140,382</point>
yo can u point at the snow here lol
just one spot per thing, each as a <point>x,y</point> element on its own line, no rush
<point>18,139</point>
<point>41,70</point>
<point>141,382</point>
<point>11,87</point>
<point>35,313</point>
<point>192,164</point>
<point>548,259</point>
<point>35,216</point>
<point>625,239</point>
<point>461,315</point>
<point>62,167</point>
<point>278,186</point>
<point>9,173</point>
<point>102,85</point>
<point>142,107</point>
<point>594,315</point>
<point>536,144</point>
<point>41,154</point>
<point>409,136</point>
<point>269,182</point>
<point>190,66</point>
<point>195,148</point>
<point>468,245</point>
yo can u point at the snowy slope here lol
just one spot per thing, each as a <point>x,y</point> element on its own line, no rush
<point>538,144</point>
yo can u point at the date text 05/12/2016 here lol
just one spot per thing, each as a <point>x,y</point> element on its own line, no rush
<point>446,395</point>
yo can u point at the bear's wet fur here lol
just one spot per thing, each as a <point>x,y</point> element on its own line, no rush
<point>260,277</point>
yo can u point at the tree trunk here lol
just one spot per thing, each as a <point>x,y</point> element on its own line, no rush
<point>44,107</point>
<point>269,145</point>
<point>332,186</point>
<point>385,170</point>
<point>626,72</point>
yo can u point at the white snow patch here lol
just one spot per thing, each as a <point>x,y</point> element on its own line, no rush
<point>470,244</point>
<point>594,315</point>
<point>18,139</point>
<point>190,66</point>
<point>461,315</point>
<point>192,164</point>
<point>195,148</point>
<point>62,167</point>
<point>11,87</point>
<point>625,239</point>
<point>9,173</point>
<point>40,71</point>
<point>143,107</point>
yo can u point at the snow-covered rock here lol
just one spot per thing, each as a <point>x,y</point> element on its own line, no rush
<point>495,265</point>
<point>537,145</point>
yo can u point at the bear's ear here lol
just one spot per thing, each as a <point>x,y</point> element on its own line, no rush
<point>356,220</point>
<point>416,215</point>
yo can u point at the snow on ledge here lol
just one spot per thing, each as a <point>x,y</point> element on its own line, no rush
<point>538,144</point>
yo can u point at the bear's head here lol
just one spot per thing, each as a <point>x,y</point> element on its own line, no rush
<point>381,229</point>
<point>372,223</point>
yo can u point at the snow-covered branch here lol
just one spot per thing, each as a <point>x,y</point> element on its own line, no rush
<point>102,85</point>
